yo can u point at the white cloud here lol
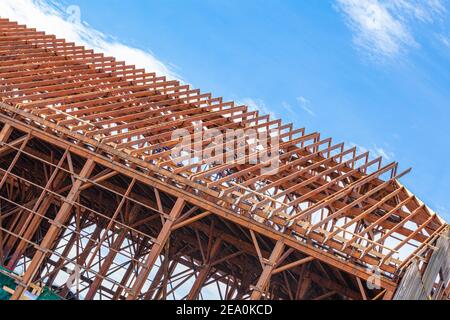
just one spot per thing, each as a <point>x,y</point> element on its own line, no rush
<point>383,27</point>
<point>445,40</point>
<point>383,153</point>
<point>305,104</point>
<point>50,17</point>
<point>423,10</point>
<point>256,104</point>
<point>375,151</point>
<point>287,107</point>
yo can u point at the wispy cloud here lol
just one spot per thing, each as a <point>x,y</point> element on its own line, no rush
<point>286,106</point>
<point>52,18</point>
<point>305,104</point>
<point>383,28</point>
<point>445,40</point>
<point>375,151</point>
<point>256,104</point>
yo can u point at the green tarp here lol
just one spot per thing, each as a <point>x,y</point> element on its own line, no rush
<point>5,281</point>
<point>9,282</point>
<point>47,294</point>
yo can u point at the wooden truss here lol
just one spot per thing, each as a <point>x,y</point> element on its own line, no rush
<point>88,184</point>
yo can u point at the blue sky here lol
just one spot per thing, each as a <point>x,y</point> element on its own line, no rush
<point>372,73</point>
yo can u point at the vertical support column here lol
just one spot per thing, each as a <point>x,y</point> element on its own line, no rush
<point>4,136</point>
<point>81,259</point>
<point>203,275</point>
<point>14,226</point>
<point>264,279</point>
<point>361,288</point>
<point>111,223</point>
<point>157,279</point>
<point>138,253</point>
<point>14,161</point>
<point>388,295</point>
<point>35,216</point>
<point>304,282</point>
<point>60,263</point>
<point>162,291</point>
<point>53,231</point>
<point>5,133</point>
<point>117,244</point>
<point>156,249</point>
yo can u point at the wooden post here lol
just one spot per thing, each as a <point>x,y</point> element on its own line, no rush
<point>106,264</point>
<point>52,233</point>
<point>203,275</point>
<point>264,279</point>
<point>388,295</point>
<point>156,249</point>
<point>5,133</point>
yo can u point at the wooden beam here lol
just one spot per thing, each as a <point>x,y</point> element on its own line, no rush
<point>361,288</point>
<point>61,218</point>
<point>206,269</point>
<point>264,279</point>
<point>156,250</point>
<point>293,265</point>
